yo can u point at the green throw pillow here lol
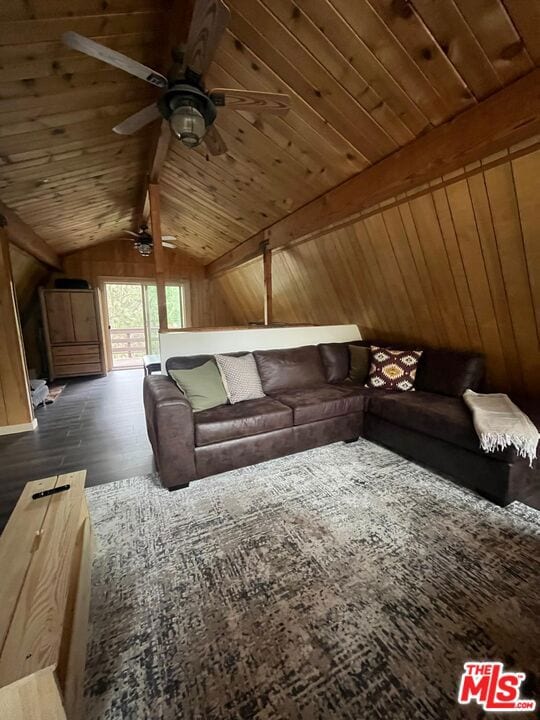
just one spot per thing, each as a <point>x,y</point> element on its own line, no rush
<point>202,386</point>
<point>360,357</point>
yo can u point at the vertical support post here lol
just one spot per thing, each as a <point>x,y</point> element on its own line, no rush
<point>16,412</point>
<point>159,259</point>
<point>267,267</point>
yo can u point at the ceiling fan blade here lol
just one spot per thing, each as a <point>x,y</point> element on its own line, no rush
<point>251,100</point>
<point>214,142</point>
<point>208,23</point>
<point>112,57</point>
<point>138,120</point>
<point>169,245</point>
<point>129,232</point>
<point>167,238</point>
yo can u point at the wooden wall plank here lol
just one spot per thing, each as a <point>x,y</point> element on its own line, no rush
<point>15,408</point>
<point>492,260</point>
<point>526,172</point>
<point>409,271</point>
<point>508,230</point>
<point>438,267</point>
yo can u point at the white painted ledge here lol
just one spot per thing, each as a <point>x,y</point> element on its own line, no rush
<point>23,427</point>
<point>210,342</point>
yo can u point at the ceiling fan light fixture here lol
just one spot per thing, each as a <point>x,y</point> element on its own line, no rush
<point>144,248</point>
<point>188,125</point>
<point>144,241</point>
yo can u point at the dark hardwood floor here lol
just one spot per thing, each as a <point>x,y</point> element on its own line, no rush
<point>96,424</point>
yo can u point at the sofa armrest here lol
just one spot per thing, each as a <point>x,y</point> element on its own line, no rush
<point>169,421</point>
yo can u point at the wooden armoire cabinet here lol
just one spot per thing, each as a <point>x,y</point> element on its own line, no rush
<point>73,332</point>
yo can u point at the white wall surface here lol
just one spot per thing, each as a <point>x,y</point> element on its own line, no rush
<point>210,342</point>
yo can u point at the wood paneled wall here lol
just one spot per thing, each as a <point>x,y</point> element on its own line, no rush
<point>15,407</point>
<point>28,273</point>
<point>119,259</point>
<point>453,265</point>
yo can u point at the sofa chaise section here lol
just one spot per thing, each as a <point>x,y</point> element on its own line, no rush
<point>434,427</point>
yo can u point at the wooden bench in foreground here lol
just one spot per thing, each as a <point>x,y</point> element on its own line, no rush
<point>45,564</point>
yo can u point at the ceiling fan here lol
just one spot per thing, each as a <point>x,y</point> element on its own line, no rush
<point>144,242</point>
<point>184,101</point>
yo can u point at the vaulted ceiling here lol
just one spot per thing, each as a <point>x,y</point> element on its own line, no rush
<point>365,78</point>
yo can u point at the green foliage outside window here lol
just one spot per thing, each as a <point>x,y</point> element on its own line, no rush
<point>125,306</point>
<point>126,312</point>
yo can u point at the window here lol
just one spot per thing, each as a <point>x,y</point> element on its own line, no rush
<point>133,319</point>
<point>175,306</point>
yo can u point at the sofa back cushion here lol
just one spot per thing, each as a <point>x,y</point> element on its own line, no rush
<point>290,368</point>
<point>360,363</point>
<point>188,362</point>
<point>335,358</point>
<point>449,372</point>
<point>201,385</point>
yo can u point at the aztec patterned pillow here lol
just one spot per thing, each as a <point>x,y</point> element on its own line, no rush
<point>393,369</point>
<point>240,377</point>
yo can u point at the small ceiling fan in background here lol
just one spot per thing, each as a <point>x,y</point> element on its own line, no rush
<point>144,242</point>
<point>190,109</point>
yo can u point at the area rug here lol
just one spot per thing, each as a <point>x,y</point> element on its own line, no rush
<point>343,582</point>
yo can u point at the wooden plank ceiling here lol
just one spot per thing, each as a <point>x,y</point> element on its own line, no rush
<point>365,78</point>
<point>61,167</point>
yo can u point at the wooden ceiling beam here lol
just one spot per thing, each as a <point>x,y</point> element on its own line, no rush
<point>267,275</point>
<point>25,238</point>
<point>507,117</point>
<point>159,256</point>
<point>158,157</point>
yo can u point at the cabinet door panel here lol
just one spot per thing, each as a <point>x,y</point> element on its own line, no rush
<point>84,317</point>
<point>59,317</point>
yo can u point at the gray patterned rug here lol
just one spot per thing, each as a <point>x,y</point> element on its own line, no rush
<point>343,582</point>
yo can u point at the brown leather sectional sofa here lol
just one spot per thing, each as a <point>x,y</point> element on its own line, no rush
<point>310,402</point>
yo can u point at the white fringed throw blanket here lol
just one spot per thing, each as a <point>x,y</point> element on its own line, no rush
<point>499,423</point>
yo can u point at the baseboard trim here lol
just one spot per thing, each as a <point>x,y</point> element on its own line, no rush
<point>23,427</point>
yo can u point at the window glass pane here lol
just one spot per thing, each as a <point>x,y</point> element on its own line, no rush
<point>175,310</point>
<point>126,322</point>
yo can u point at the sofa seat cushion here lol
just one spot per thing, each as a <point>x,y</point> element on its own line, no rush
<point>250,417</point>
<point>322,402</point>
<point>365,392</point>
<point>438,416</point>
